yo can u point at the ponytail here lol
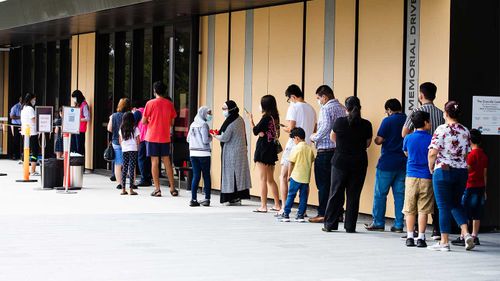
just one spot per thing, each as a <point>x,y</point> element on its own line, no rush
<point>353,106</point>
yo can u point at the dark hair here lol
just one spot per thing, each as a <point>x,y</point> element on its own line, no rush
<point>353,106</point>
<point>269,107</point>
<point>27,98</point>
<point>79,96</point>
<point>294,90</point>
<point>298,132</point>
<point>325,90</point>
<point>475,136</point>
<point>429,90</point>
<point>159,88</point>
<point>452,109</point>
<point>393,104</point>
<point>128,126</point>
<point>418,118</point>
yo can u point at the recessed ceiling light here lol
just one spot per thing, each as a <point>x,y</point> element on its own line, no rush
<point>2,1</point>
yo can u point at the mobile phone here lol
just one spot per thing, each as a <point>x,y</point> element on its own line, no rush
<point>281,125</point>
<point>246,111</point>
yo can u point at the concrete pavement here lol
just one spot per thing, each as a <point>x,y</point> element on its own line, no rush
<point>97,234</point>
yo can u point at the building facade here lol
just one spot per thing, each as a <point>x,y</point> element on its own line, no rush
<point>211,51</point>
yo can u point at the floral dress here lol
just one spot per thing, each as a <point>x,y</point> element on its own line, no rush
<point>452,141</point>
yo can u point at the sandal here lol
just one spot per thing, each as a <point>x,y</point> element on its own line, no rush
<point>156,193</point>
<point>132,192</point>
<point>124,192</point>
<point>259,211</point>
<point>174,193</point>
<point>274,209</point>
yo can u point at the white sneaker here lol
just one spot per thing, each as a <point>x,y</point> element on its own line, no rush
<point>440,247</point>
<point>469,242</point>
<point>35,174</point>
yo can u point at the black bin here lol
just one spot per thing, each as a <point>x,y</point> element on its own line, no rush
<point>53,173</point>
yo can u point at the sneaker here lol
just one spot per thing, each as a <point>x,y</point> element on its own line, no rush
<point>285,218</point>
<point>119,186</point>
<point>410,242</point>
<point>458,242</point>
<point>396,229</point>
<point>421,243</point>
<point>236,202</point>
<point>373,227</point>
<point>476,241</point>
<point>439,247</point>
<point>469,242</point>
<point>194,203</point>
<point>205,203</point>
<point>436,235</point>
<point>112,178</point>
<point>300,218</point>
<point>35,174</point>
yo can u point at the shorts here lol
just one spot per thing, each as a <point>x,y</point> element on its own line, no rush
<point>118,154</point>
<point>155,149</point>
<point>34,148</point>
<point>286,153</point>
<point>419,196</point>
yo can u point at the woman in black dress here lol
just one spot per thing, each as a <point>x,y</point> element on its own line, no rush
<point>266,152</point>
<point>353,135</point>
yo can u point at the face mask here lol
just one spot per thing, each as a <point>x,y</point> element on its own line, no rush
<point>319,103</point>
<point>260,108</point>
<point>33,102</point>
<point>225,113</point>
<point>209,117</point>
<point>74,100</point>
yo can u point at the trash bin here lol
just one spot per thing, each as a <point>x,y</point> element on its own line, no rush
<point>53,173</point>
<point>76,169</point>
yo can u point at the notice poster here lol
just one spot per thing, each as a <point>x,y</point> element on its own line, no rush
<point>486,114</point>
<point>44,118</point>
<point>71,120</point>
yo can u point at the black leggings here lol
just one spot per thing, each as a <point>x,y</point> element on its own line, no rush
<point>129,160</point>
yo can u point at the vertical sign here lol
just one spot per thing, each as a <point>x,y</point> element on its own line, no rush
<point>71,120</point>
<point>486,114</point>
<point>44,118</point>
<point>412,46</point>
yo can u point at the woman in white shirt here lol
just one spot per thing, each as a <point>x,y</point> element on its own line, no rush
<point>28,121</point>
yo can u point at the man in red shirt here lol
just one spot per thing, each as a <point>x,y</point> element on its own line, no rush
<point>159,115</point>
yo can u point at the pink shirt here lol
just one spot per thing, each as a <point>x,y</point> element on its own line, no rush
<point>143,128</point>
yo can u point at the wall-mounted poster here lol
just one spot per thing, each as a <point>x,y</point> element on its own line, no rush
<point>486,114</point>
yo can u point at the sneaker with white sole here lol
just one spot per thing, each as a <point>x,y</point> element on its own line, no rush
<point>285,218</point>
<point>469,242</point>
<point>35,174</point>
<point>440,247</point>
<point>300,218</point>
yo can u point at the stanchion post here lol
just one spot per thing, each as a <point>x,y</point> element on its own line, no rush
<point>26,157</point>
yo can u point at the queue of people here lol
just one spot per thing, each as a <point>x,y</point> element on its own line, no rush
<point>434,165</point>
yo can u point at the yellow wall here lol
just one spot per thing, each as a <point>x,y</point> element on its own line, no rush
<point>277,62</point>
<point>82,78</point>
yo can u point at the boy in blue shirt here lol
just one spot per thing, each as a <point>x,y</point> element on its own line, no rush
<point>419,197</point>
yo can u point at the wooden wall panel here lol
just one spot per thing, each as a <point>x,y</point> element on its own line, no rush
<point>435,46</point>
<point>379,74</point>
<point>203,61</point>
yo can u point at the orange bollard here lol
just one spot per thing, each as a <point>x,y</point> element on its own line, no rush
<point>26,158</point>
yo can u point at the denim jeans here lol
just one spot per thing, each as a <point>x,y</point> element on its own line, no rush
<point>144,163</point>
<point>201,165</point>
<point>473,202</point>
<point>449,188</point>
<point>322,174</point>
<point>383,181</point>
<point>292,192</point>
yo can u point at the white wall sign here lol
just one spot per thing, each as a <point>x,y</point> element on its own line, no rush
<point>412,55</point>
<point>44,118</point>
<point>486,114</point>
<point>71,120</point>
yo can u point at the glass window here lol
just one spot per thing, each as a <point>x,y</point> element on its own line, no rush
<point>111,75</point>
<point>148,64</point>
<point>128,62</point>
<point>181,85</point>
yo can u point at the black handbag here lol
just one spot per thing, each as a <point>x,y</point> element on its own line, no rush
<point>109,152</point>
<point>279,147</point>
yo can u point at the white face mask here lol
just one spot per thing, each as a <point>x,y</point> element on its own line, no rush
<point>225,113</point>
<point>75,100</point>
<point>319,103</point>
<point>33,102</point>
<point>260,108</point>
<point>209,117</point>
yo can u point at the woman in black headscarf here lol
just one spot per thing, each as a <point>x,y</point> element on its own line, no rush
<point>235,170</point>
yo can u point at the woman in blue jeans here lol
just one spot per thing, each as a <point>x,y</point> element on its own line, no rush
<point>115,121</point>
<point>447,162</point>
<point>199,140</point>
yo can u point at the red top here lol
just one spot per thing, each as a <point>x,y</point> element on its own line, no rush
<point>83,124</point>
<point>159,112</point>
<point>477,162</point>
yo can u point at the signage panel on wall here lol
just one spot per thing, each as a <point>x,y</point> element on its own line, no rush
<point>486,114</point>
<point>412,54</point>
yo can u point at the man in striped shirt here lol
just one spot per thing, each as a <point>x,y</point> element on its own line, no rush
<point>331,109</point>
<point>426,98</point>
